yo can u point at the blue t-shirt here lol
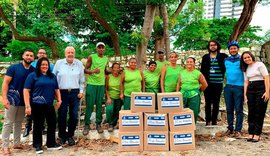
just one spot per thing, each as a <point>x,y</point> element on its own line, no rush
<point>34,64</point>
<point>15,87</point>
<point>234,75</point>
<point>42,88</point>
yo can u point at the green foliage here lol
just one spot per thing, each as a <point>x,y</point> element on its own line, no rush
<point>137,37</point>
<point>18,47</point>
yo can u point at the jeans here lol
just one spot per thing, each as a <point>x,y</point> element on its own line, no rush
<point>212,97</point>
<point>256,107</point>
<point>234,99</point>
<point>70,101</point>
<point>40,112</point>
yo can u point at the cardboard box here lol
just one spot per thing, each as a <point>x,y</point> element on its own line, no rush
<point>130,122</point>
<point>182,140</point>
<point>143,102</point>
<point>156,141</point>
<point>130,141</point>
<point>182,120</point>
<point>170,102</point>
<point>155,122</point>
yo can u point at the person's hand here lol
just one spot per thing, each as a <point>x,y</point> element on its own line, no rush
<point>265,96</point>
<point>245,100</point>
<point>122,96</point>
<point>6,103</point>
<point>109,101</point>
<point>57,105</point>
<point>27,110</point>
<point>97,71</point>
<point>80,95</point>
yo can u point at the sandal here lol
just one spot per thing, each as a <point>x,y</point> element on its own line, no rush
<point>250,138</point>
<point>256,140</point>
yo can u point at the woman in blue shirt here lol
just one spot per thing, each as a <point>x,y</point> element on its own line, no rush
<point>40,89</point>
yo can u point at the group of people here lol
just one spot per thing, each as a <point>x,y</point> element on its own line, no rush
<point>38,89</point>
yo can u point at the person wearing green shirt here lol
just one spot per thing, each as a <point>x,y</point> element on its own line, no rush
<point>169,74</point>
<point>113,103</point>
<point>191,83</point>
<point>161,60</point>
<point>132,80</point>
<point>95,89</point>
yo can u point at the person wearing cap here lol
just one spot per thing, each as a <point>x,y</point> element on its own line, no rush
<point>132,80</point>
<point>95,89</point>
<point>169,74</point>
<point>213,69</point>
<point>192,83</point>
<point>70,77</point>
<point>234,91</point>
<point>161,60</point>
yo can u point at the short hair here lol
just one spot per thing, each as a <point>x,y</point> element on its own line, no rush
<point>38,71</point>
<point>69,47</point>
<point>217,43</point>
<point>152,62</point>
<point>28,50</point>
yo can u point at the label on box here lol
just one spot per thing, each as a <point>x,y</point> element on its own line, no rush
<point>131,140</point>
<point>156,139</point>
<point>130,121</point>
<point>167,102</point>
<point>143,101</point>
<point>181,120</point>
<point>182,139</point>
<point>156,121</point>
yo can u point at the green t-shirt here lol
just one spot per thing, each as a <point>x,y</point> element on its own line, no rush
<point>171,78</point>
<point>98,62</point>
<point>160,66</point>
<point>151,81</point>
<point>114,86</point>
<point>190,83</point>
<point>132,82</point>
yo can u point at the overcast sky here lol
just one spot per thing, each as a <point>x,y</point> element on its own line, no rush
<point>261,17</point>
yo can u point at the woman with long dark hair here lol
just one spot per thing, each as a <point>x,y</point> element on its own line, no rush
<point>40,89</point>
<point>256,93</point>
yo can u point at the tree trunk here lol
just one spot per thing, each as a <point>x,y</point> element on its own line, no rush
<point>51,43</point>
<point>166,30</point>
<point>177,11</point>
<point>107,26</point>
<point>147,31</point>
<point>244,20</point>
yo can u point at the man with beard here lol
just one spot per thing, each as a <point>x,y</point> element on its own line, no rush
<point>213,69</point>
<point>234,91</point>
<point>70,76</point>
<point>12,93</point>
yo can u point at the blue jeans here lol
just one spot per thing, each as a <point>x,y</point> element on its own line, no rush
<point>70,101</point>
<point>234,99</point>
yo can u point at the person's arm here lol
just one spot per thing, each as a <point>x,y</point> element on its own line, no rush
<point>122,85</point>
<point>109,100</point>
<point>6,81</point>
<point>142,82</point>
<point>245,90</point>
<point>178,83</point>
<point>266,84</point>
<point>26,97</point>
<point>203,83</point>
<point>58,98</point>
<point>163,73</point>
<point>88,65</point>
<point>81,80</point>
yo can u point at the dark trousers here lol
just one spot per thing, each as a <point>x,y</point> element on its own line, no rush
<point>256,107</point>
<point>70,103</point>
<point>234,99</point>
<point>212,98</point>
<point>40,112</point>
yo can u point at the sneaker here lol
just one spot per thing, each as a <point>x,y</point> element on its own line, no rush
<point>26,132</point>
<point>55,147</point>
<point>71,141</point>
<point>110,129</point>
<point>62,141</point>
<point>86,130</point>
<point>99,129</point>
<point>39,150</point>
<point>237,135</point>
<point>228,133</point>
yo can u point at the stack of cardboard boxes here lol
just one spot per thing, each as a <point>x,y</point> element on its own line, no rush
<point>142,128</point>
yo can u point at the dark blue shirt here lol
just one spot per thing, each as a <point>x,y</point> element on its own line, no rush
<point>42,88</point>
<point>15,88</point>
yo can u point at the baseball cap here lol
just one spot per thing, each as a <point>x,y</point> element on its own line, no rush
<point>161,50</point>
<point>100,43</point>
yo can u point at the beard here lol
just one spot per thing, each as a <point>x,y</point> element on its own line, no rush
<point>212,51</point>
<point>27,62</point>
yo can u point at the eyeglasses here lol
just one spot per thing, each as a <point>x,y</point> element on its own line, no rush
<point>41,53</point>
<point>160,52</point>
<point>213,45</point>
